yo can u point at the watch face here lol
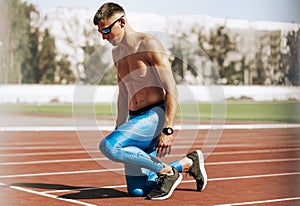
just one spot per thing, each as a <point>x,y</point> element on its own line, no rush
<point>168,131</point>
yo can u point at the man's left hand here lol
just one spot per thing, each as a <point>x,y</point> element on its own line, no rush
<point>164,145</point>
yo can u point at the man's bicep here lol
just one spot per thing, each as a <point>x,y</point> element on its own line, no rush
<point>159,59</point>
<point>164,71</point>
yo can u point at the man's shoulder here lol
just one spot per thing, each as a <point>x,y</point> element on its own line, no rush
<point>149,39</point>
<point>150,42</point>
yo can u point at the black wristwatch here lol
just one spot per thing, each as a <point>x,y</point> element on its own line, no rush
<point>168,131</point>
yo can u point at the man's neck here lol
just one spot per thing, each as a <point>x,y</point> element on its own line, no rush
<point>129,41</point>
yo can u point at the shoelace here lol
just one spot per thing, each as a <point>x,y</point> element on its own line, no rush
<point>189,172</point>
<point>160,181</point>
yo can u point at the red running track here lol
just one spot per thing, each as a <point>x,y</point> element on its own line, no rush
<point>247,167</point>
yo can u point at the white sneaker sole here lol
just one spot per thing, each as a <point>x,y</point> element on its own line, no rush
<point>202,168</point>
<point>171,191</point>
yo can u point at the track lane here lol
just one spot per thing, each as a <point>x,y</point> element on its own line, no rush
<point>225,178</point>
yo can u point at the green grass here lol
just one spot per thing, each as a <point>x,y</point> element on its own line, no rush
<point>100,109</point>
<point>278,111</point>
<point>234,110</point>
<point>262,111</point>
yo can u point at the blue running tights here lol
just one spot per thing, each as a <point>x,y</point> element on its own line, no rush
<point>134,144</point>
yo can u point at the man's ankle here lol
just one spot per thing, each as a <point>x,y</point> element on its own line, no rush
<point>186,163</point>
<point>166,170</point>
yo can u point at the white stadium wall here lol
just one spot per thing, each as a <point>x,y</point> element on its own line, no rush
<point>45,94</point>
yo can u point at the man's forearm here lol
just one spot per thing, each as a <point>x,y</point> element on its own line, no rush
<point>171,107</point>
<point>122,106</point>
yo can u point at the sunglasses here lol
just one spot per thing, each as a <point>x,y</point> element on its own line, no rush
<point>107,30</point>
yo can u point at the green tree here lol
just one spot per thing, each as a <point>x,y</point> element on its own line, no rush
<point>64,74</point>
<point>260,67</point>
<point>185,59</point>
<point>30,68</point>
<point>16,17</point>
<point>293,43</point>
<point>96,70</point>
<point>220,45</point>
<point>47,59</point>
<point>177,62</point>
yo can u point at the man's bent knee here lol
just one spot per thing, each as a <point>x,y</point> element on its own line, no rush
<point>106,148</point>
<point>103,146</point>
<point>110,150</point>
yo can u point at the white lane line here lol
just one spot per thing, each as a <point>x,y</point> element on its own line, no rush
<point>256,151</point>
<point>41,143</point>
<point>256,176</point>
<point>52,128</point>
<point>176,146</point>
<point>105,159</point>
<point>220,145</point>
<point>85,189</point>
<point>262,201</point>
<point>53,161</point>
<point>191,181</point>
<point>42,147</point>
<point>177,127</point>
<point>180,139</point>
<point>49,153</point>
<point>48,195</point>
<point>121,169</point>
<point>61,173</point>
<point>252,161</point>
<point>97,151</point>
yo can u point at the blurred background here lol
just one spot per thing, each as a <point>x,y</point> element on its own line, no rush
<point>251,48</point>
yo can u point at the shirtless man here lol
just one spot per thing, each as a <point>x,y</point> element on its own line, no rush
<point>147,105</point>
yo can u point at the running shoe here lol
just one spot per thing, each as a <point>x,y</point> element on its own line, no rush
<point>165,186</point>
<point>197,169</point>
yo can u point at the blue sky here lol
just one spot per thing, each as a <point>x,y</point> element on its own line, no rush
<point>251,10</point>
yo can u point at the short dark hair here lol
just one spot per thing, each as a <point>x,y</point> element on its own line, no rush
<point>106,11</point>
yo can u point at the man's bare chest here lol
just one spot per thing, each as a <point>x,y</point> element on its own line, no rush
<point>133,67</point>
